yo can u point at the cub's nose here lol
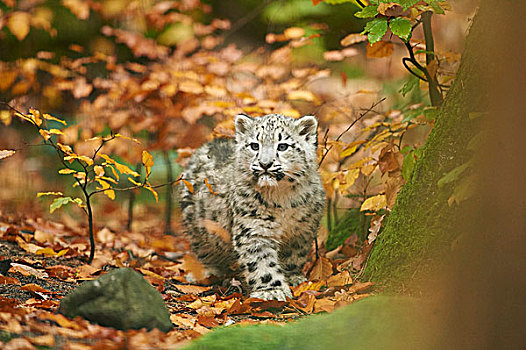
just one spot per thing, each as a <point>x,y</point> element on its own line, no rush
<point>265,166</point>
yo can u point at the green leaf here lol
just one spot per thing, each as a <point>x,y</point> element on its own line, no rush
<point>454,174</point>
<point>401,27</point>
<point>367,12</point>
<point>408,165</point>
<point>410,85</point>
<point>407,3</point>
<point>436,8</point>
<point>412,114</point>
<point>58,202</point>
<point>375,29</point>
<point>337,2</point>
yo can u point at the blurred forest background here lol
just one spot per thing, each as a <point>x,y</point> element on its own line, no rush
<point>102,103</point>
<point>168,73</point>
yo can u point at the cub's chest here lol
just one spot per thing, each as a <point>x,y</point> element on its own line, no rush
<point>287,221</point>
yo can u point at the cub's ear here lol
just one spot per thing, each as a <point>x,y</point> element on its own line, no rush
<point>307,126</point>
<point>243,123</point>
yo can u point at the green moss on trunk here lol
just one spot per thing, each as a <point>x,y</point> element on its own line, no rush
<point>422,225</point>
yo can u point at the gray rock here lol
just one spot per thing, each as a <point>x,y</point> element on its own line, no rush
<point>121,299</point>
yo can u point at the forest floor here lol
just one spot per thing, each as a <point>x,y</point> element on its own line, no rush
<point>41,261</point>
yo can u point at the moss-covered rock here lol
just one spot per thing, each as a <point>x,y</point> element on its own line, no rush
<point>372,323</point>
<point>121,299</point>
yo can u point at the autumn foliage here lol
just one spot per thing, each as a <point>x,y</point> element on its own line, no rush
<point>161,77</point>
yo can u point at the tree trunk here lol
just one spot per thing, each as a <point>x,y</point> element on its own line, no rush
<point>422,226</point>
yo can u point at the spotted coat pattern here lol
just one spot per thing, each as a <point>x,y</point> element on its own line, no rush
<point>269,197</point>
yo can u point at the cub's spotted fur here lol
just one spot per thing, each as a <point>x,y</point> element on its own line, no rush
<point>269,198</point>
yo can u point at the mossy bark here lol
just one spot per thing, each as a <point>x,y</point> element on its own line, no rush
<point>422,225</point>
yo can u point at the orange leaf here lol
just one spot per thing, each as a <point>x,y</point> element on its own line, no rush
<point>9,280</point>
<point>305,303</point>
<point>188,185</point>
<point>380,49</point>
<point>341,279</point>
<point>322,270</point>
<point>207,321</point>
<point>300,288</point>
<point>324,305</point>
<point>210,187</point>
<point>191,289</point>
<point>31,287</point>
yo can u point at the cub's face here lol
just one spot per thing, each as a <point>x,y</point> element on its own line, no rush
<point>275,148</point>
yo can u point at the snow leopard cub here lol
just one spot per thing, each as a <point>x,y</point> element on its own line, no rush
<point>268,196</point>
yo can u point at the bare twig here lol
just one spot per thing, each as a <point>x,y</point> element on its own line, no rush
<point>363,114</point>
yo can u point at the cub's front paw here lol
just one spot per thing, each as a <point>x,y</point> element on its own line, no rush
<point>272,294</point>
<point>295,280</point>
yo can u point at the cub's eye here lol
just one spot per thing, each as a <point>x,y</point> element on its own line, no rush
<point>254,146</point>
<point>282,147</point>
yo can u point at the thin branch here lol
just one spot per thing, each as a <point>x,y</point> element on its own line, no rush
<point>370,109</point>
<point>410,70</point>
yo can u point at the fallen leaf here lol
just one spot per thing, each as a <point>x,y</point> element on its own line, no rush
<point>25,270</point>
<point>191,289</point>
<point>308,285</point>
<point>184,321</point>
<point>46,340</point>
<point>322,269</point>
<point>207,321</point>
<point>324,305</point>
<point>374,203</point>
<point>31,287</point>
<point>341,279</point>
<point>9,280</point>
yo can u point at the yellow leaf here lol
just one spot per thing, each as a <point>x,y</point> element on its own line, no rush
<point>301,95</point>
<point>147,161</point>
<point>85,159</point>
<point>109,179</point>
<point>46,251</point>
<point>18,24</point>
<point>79,8</point>
<point>45,134</point>
<point>110,194</point>
<point>128,138</point>
<point>103,183</point>
<point>50,117</point>
<point>350,149</point>
<point>190,86</point>
<point>56,132</point>
<point>99,171</point>
<point>25,117</point>
<point>353,39</point>
<point>294,32</point>
<point>134,182</point>
<point>149,188</point>
<point>123,169</point>
<point>36,116</point>
<point>40,194</point>
<point>66,171</point>
<point>374,203</point>
<point>6,153</point>
<point>65,148</point>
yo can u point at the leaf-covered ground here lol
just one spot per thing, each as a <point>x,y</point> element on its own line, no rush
<point>41,261</point>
